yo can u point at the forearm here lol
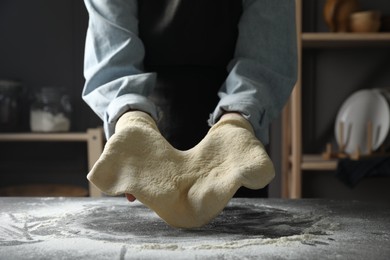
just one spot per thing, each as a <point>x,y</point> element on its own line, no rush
<point>264,69</point>
<point>113,66</point>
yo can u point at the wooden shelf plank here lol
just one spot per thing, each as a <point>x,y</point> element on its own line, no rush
<point>328,40</point>
<point>316,162</point>
<point>61,137</point>
<point>93,137</point>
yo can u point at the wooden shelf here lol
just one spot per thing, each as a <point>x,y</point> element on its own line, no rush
<point>339,40</point>
<point>61,137</point>
<point>294,161</point>
<point>316,162</point>
<point>93,138</point>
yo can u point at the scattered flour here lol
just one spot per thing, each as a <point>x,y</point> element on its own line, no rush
<point>61,227</point>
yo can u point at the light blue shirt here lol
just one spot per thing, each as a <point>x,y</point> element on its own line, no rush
<point>261,74</point>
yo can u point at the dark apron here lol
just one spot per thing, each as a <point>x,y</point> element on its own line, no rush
<point>189,54</point>
<point>189,44</point>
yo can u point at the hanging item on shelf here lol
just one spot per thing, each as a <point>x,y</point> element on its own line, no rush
<point>362,125</point>
<point>50,111</point>
<point>337,14</point>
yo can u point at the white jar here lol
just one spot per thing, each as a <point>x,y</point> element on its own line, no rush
<point>50,111</point>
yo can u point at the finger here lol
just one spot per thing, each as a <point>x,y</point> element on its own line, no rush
<point>130,197</point>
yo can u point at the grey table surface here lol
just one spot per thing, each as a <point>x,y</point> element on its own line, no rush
<point>112,228</point>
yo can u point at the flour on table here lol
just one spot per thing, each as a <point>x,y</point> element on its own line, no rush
<point>114,226</point>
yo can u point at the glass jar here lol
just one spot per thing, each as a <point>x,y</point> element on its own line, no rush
<point>50,111</point>
<point>9,105</point>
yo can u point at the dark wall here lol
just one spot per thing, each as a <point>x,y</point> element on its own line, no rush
<point>42,44</point>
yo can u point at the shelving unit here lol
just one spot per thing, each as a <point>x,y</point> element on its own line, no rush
<point>293,160</point>
<point>93,137</point>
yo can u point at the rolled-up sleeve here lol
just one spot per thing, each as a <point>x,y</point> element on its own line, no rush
<point>113,62</point>
<point>264,69</point>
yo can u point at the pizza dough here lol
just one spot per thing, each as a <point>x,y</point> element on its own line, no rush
<point>188,188</point>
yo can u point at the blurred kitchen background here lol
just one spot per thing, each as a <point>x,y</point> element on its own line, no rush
<point>42,45</point>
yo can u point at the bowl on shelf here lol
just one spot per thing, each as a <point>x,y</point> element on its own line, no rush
<point>336,14</point>
<point>365,22</point>
<point>363,122</point>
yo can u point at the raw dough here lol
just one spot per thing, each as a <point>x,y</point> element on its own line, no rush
<point>185,188</point>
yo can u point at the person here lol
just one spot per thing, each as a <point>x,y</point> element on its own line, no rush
<point>260,73</point>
